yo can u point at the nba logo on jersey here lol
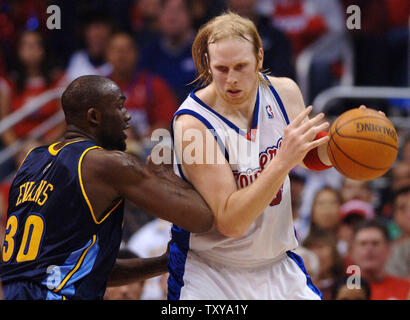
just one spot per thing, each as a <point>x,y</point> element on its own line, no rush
<point>269,111</point>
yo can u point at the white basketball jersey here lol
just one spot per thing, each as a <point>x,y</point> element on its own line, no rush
<point>248,153</point>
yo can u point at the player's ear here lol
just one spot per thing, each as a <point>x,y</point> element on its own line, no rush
<point>260,58</point>
<point>93,116</point>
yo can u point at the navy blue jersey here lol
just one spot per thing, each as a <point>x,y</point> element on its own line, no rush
<point>53,240</point>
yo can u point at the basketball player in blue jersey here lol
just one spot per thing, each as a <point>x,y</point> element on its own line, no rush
<point>65,216</point>
<point>248,253</point>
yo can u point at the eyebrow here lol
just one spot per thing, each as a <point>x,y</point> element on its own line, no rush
<point>238,63</point>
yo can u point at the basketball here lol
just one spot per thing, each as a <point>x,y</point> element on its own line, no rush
<point>363,144</point>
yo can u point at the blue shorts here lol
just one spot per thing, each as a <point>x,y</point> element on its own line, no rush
<point>28,290</point>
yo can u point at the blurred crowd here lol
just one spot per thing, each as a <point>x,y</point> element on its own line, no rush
<point>145,47</point>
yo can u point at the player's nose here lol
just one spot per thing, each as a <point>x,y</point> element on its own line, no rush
<point>127,116</point>
<point>232,78</point>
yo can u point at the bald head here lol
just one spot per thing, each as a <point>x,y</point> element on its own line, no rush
<point>94,108</point>
<point>87,92</point>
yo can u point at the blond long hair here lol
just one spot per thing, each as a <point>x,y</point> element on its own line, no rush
<point>226,25</point>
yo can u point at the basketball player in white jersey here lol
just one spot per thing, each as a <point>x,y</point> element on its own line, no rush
<point>248,253</point>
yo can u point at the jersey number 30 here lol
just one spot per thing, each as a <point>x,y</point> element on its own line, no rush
<point>30,242</point>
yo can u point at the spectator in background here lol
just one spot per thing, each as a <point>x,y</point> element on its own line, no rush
<point>399,179</point>
<point>6,91</point>
<point>380,45</point>
<point>7,137</point>
<point>205,10</point>
<point>325,211</point>
<point>149,100</point>
<point>32,76</point>
<point>149,240</point>
<point>398,263</point>
<point>370,251</point>
<point>355,189</point>
<point>341,290</point>
<point>351,214</point>
<point>297,185</point>
<point>323,244</point>
<point>130,291</point>
<point>277,49</point>
<point>401,171</point>
<point>305,21</point>
<point>145,21</point>
<point>96,30</point>
<point>170,56</point>
<point>314,182</point>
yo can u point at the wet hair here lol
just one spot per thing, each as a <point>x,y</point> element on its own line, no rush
<point>225,26</point>
<point>83,93</point>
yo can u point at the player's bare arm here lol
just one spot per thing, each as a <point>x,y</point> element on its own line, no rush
<point>111,175</point>
<point>236,209</point>
<point>130,270</point>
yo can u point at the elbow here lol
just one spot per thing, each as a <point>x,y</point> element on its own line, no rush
<point>229,229</point>
<point>200,222</point>
<point>207,223</point>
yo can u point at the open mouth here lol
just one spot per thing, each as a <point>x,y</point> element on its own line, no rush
<point>234,92</point>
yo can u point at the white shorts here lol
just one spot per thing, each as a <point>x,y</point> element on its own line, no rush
<point>285,279</point>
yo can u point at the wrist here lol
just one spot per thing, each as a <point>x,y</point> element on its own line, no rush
<point>317,158</point>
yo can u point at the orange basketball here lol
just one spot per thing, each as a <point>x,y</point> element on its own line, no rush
<point>363,144</point>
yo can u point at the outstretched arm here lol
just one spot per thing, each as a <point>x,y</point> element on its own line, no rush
<point>113,174</point>
<point>130,270</point>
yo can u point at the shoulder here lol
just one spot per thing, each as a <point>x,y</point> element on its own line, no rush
<point>111,165</point>
<point>290,94</point>
<point>284,86</point>
<point>184,122</point>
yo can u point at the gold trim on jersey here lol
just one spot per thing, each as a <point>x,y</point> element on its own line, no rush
<point>24,160</point>
<point>77,266</point>
<point>85,194</point>
<point>54,152</point>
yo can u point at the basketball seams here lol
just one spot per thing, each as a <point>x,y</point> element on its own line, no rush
<point>334,160</point>
<point>355,161</point>
<point>366,139</point>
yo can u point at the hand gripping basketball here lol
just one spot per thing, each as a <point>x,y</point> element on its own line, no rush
<point>299,135</point>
